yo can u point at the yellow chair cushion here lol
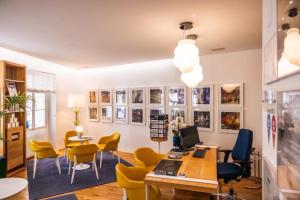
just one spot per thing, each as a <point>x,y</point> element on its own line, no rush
<point>146,157</point>
<point>43,149</point>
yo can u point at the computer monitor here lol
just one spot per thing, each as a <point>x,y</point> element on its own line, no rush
<point>189,137</point>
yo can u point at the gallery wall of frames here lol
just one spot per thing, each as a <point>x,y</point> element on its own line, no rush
<point>135,105</point>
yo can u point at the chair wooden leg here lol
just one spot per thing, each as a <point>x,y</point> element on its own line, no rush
<point>74,169</point>
<point>34,165</point>
<point>101,156</point>
<point>95,167</point>
<point>58,165</point>
<point>69,170</point>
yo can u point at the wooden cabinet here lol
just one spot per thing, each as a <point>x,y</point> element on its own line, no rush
<point>14,149</point>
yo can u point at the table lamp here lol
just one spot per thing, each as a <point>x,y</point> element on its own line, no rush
<point>76,101</point>
<point>79,130</point>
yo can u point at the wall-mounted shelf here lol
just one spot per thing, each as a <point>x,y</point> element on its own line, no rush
<point>12,80</point>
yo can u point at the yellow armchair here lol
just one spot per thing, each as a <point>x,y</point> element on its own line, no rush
<point>83,153</point>
<point>43,150</point>
<point>70,144</point>
<point>109,143</point>
<point>131,180</point>
<point>146,157</point>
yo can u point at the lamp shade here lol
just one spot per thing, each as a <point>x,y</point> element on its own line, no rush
<point>292,46</point>
<point>79,129</point>
<point>186,55</point>
<point>193,78</point>
<point>76,100</point>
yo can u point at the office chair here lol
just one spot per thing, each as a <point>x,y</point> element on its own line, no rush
<point>240,166</point>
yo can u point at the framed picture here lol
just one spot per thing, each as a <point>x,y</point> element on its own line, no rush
<point>105,97</point>
<point>177,96</point>
<point>11,87</point>
<point>202,96</point>
<point>155,110</point>
<point>177,111</point>
<point>203,119</point>
<point>106,114</point>
<point>137,115</point>
<point>93,114</point>
<point>121,114</point>
<point>230,120</point>
<point>93,97</point>
<point>231,95</point>
<point>121,97</point>
<point>156,96</point>
<point>137,96</point>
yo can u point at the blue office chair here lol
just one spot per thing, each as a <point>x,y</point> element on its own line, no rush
<point>240,166</point>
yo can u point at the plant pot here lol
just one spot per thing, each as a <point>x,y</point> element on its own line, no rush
<point>176,141</point>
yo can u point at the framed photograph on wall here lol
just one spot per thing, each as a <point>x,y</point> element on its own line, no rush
<point>106,114</point>
<point>137,96</point>
<point>156,96</point>
<point>230,95</point>
<point>106,97</point>
<point>137,116</point>
<point>121,114</point>
<point>202,96</point>
<point>93,114</point>
<point>121,97</point>
<point>177,96</point>
<point>155,110</point>
<point>230,120</point>
<point>177,111</point>
<point>93,97</point>
<point>203,119</point>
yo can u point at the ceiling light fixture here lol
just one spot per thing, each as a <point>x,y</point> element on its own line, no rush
<point>187,58</point>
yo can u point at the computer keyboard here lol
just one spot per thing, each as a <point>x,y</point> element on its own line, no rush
<point>199,153</point>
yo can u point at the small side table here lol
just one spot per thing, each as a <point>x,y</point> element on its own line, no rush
<point>81,139</point>
<point>11,186</point>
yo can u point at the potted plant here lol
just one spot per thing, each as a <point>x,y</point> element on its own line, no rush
<point>17,103</point>
<point>177,124</point>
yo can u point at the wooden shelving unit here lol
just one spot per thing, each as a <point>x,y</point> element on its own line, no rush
<point>15,148</point>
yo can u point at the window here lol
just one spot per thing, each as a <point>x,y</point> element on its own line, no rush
<point>36,113</point>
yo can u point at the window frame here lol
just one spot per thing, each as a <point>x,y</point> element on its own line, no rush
<point>33,109</point>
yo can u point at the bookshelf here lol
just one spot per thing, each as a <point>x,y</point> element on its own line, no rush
<point>12,126</point>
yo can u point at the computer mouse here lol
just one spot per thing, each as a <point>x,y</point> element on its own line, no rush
<point>174,156</point>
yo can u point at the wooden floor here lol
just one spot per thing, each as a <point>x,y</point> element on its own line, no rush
<point>112,191</point>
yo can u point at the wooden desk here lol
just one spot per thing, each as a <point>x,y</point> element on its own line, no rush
<point>200,174</point>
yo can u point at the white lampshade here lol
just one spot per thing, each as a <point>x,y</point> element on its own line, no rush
<point>186,55</point>
<point>292,46</point>
<point>193,78</point>
<point>79,129</point>
<point>76,100</point>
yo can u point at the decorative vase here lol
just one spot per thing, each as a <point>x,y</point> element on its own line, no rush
<point>176,140</point>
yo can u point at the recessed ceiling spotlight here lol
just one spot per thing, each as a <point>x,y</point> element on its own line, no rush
<point>282,18</point>
<point>194,15</point>
<point>291,2</point>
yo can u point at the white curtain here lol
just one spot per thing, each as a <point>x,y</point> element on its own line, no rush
<point>40,81</point>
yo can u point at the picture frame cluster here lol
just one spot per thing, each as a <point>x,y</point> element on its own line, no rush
<point>135,105</point>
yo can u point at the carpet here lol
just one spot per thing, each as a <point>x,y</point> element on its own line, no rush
<point>48,182</point>
<point>65,197</point>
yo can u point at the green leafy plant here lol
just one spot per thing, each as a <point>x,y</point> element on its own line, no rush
<point>18,102</point>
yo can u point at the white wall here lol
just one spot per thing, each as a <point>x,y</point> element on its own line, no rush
<point>238,67</point>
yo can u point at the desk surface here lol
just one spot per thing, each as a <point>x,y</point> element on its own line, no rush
<point>200,174</point>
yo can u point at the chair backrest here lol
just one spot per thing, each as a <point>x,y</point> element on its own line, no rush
<point>113,142</point>
<point>68,135</point>
<point>84,152</point>
<point>34,146</point>
<point>243,145</point>
<point>146,155</point>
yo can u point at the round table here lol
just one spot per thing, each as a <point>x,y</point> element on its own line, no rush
<point>11,186</point>
<point>81,139</point>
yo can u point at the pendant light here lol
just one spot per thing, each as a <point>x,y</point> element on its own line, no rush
<point>193,78</point>
<point>292,46</point>
<point>186,52</point>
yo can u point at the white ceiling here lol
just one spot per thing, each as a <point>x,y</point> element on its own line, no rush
<point>97,33</point>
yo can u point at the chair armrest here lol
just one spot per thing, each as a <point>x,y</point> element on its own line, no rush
<point>227,152</point>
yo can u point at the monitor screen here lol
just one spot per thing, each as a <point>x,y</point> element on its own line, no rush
<point>189,137</point>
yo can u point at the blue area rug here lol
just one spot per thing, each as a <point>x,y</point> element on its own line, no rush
<point>48,182</point>
<point>65,197</point>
